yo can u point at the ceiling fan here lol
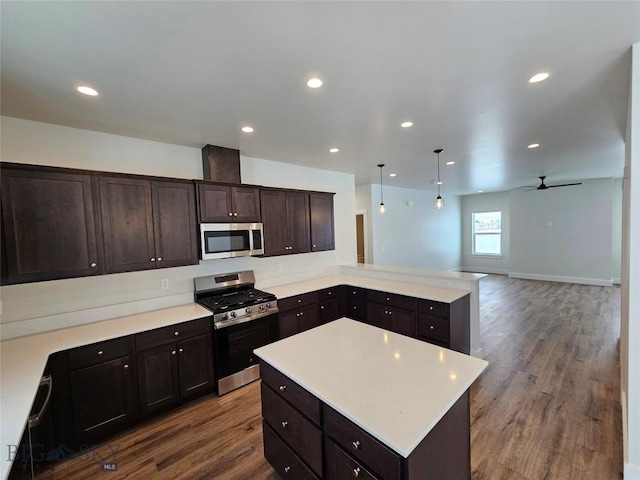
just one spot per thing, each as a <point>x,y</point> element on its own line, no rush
<point>544,186</point>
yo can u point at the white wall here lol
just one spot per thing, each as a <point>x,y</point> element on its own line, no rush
<point>38,143</point>
<point>616,232</point>
<point>416,236</point>
<point>486,202</point>
<point>630,300</point>
<point>563,234</point>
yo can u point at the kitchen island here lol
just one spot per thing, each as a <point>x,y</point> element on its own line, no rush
<point>374,403</point>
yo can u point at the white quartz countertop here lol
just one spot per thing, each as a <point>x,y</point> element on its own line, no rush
<point>22,361</point>
<point>394,387</point>
<point>438,294</point>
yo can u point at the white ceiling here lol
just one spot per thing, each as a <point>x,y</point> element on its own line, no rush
<point>192,73</point>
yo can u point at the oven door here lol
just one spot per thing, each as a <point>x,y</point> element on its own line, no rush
<point>236,365</point>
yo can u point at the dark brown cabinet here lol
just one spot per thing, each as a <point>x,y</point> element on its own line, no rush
<point>49,225</point>
<point>392,312</point>
<point>228,203</point>
<point>173,363</point>
<point>103,389</point>
<point>322,228</point>
<point>331,304</point>
<point>445,324</point>
<point>298,313</point>
<point>147,224</point>
<point>285,218</point>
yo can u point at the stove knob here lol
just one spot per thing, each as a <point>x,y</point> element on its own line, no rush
<point>268,305</point>
<point>225,316</point>
<point>232,314</point>
<point>248,310</point>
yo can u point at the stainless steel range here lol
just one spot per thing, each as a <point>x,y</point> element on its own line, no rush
<point>244,319</point>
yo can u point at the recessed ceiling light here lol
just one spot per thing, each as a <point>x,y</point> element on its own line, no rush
<point>392,174</point>
<point>247,129</point>
<point>334,150</point>
<point>406,124</point>
<point>538,77</point>
<point>451,163</point>
<point>84,89</point>
<point>314,83</point>
<point>533,145</point>
<point>438,183</point>
<point>480,191</point>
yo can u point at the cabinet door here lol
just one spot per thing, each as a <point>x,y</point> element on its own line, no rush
<point>288,323</point>
<point>308,317</point>
<point>127,224</point>
<point>274,222</point>
<point>215,203</point>
<point>195,365</point>
<point>329,310</point>
<point>158,381</point>
<point>322,231</point>
<point>402,321</point>
<point>49,226</point>
<point>378,315</point>
<point>103,398</point>
<point>298,230</point>
<point>174,224</point>
<point>246,204</point>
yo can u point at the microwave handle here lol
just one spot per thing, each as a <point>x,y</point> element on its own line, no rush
<point>34,420</point>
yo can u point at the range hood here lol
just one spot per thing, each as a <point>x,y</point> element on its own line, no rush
<point>220,164</point>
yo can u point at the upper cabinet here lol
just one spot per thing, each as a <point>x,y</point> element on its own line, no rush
<point>49,225</point>
<point>228,203</point>
<point>147,224</point>
<point>322,229</point>
<point>285,219</point>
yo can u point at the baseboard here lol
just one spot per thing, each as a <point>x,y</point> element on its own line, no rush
<point>553,278</point>
<point>631,472</point>
<point>497,271</point>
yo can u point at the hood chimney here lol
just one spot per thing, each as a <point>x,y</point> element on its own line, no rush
<point>221,164</point>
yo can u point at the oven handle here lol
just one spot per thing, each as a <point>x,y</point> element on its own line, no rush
<point>34,420</point>
<point>237,321</point>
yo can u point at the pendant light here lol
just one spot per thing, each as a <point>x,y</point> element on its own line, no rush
<point>439,201</point>
<point>382,209</point>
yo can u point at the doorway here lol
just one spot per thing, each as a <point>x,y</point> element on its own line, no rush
<point>360,238</point>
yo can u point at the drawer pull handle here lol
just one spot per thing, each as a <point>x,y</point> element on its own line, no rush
<point>100,352</point>
<point>356,472</point>
<point>287,469</point>
<point>356,444</point>
<point>283,388</point>
<point>284,424</point>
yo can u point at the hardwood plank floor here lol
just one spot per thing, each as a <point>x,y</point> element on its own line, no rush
<point>547,407</point>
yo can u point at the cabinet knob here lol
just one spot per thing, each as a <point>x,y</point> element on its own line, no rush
<point>287,469</point>
<point>100,352</point>
<point>297,314</point>
<point>314,245</point>
<point>153,259</point>
<point>173,352</point>
<point>356,472</point>
<point>282,388</point>
<point>180,350</point>
<point>301,313</point>
<point>235,214</point>
<point>356,444</point>
<point>231,214</point>
<point>159,259</point>
<point>321,307</point>
<point>284,424</point>
<point>125,366</point>
<point>355,308</point>
<point>176,333</point>
<point>430,307</point>
<point>387,299</point>
<point>431,327</point>
<point>93,265</point>
<point>299,300</point>
<point>329,293</point>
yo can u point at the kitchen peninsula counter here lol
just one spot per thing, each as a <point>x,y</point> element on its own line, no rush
<point>395,388</point>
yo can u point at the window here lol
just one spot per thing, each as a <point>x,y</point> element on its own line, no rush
<point>487,233</point>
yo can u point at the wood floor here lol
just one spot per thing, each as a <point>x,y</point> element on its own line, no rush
<point>547,407</point>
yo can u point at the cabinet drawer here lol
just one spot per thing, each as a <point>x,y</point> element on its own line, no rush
<point>297,301</point>
<point>328,293</point>
<point>355,292</point>
<point>392,299</point>
<point>172,333</point>
<point>356,309</point>
<point>433,328</point>
<point>435,309</point>
<point>291,391</point>
<point>284,461</point>
<point>364,448</point>
<point>340,466</point>
<point>99,352</point>
<point>294,428</point>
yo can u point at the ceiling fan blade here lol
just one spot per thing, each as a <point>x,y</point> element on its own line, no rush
<point>564,185</point>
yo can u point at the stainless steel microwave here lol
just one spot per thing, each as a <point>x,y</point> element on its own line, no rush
<point>227,240</point>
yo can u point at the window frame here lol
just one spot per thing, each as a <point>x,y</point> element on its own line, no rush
<point>474,233</point>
